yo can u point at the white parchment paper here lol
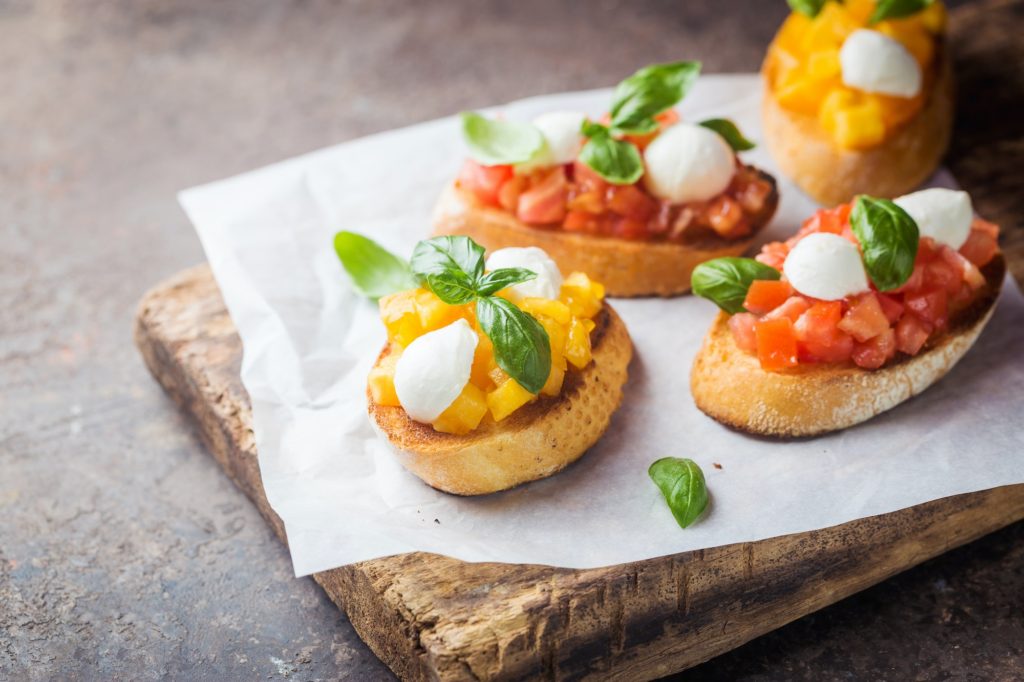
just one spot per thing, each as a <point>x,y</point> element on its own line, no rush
<point>309,342</point>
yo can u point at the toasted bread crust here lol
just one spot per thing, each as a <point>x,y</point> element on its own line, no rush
<point>627,268</point>
<point>806,153</point>
<point>536,441</point>
<point>729,385</point>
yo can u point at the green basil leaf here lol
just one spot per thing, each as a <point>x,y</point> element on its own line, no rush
<point>682,483</point>
<point>730,133</point>
<point>495,142</point>
<point>888,239</point>
<point>725,281</point>
<point>648,92</point>
<point>894,9</point>
<point>453,287</point>
<point>810,8</point>
<point>617,161</point>
<point>591,129</point>
<point>375,271</point>
<point>521,346</point>
<point>443,254</point>
<point>495,281</point>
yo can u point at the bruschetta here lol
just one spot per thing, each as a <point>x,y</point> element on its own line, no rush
<point>866,306</point>
<point>636,199</point>
<point>496,371</point>
<point>859,100</point>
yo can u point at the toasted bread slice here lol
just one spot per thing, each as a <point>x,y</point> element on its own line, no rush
<point>626,267</point>
<point>830,175</point>
<point>729,385</point>
<point>534,442</point>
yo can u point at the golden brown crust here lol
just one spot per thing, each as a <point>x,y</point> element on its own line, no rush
<point>536,441</point>
<point>806,153</point>
<point>729,385</point>
<point>626,268</point>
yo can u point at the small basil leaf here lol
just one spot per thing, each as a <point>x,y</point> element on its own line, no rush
<point>495,142</point>
<point>617,161</point>
<point>495,281</point>
<point>375,272</point>
<point>591,129</point>
<point>648,92</point>
<point>809,8</point>
<point>521,346</point>
<point>682,483</point>
<point>725,281</point>
<point>729,132</point>
<point>453,287</point>
<point>894,9</point>
<point>442,254</point>
<point>888,239</point>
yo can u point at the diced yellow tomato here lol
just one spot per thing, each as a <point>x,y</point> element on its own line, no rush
<point>791,33</point>
<point>933,18</point>
<point>507,398</point>
<point>577,345</point>
<point>556,310</point>
<point>913,36</point>
<point>465,412</point>
<point>582,295</point>
<point>400,317</point>
<point>435,313</point>
<point>553,386</point>
<point>382,382</point>
<point>483,363</point>
<point>829,29</point>
<point>824,64</point>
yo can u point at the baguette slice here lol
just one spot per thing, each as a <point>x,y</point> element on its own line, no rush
<point>729,385</point>
<point>534,442</point>
<point>830,175</point>
<point>626,267</point>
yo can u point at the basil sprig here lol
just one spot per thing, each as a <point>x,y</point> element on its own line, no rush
<point>495,142</point>
<point>375,271</point>
<point>635,103</point>
<point>895,9</point>
<point>888,239</point>
<point>453,268</point>
<point>729,132</point>
<point>725,281</point>
<point>682,483</point>
<point>809,8</point>
<point>648,92</point>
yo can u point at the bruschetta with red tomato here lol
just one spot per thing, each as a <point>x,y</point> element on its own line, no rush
<point>636,199</point>
<point>869,304</point>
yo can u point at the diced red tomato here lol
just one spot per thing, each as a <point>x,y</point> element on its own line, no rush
<point>483,181</point>
<point>890,306</point>
<point>915,282</point>
<point>664,119</point>
<point>938,274</point>
<point>793,308</point>
<point>765,295</point>
<point>831,220</point>
<point>724,214</point>
<point>876,351</point>
<point>752,195</point>
<point>968,271</point>
<point>773,254</point>
<point>630,201</point>
<point>544,203</point>
<point>819,338</point>
<point>587,178</point>
<point>980,246</point>
<point>508,193</point>
<point>577,221</point>
<point>629,228</point>
<point>742,327</point>
<point>911,334</point>
<point>864,319</point>
<point>930,305</point>
<point>776,344</point>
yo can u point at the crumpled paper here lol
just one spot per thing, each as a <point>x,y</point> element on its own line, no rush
<point>309,342</point>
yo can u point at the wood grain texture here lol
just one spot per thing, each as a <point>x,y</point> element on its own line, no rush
<point>431,617</point>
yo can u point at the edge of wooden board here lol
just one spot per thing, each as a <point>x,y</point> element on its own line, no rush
<point>432,617</point>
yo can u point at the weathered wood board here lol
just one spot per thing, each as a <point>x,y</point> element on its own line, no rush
<point>430,617</point>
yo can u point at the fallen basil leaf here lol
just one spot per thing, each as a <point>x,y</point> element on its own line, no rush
<point>888,239</point>
<point>725,281</point>
<point>496,142</point>
<point>495,281</point>
<point>729,132</point>
<point>682,483</point>
<point>617,161</point>
<point>648,92</point>
<point>374,270</point>
<point>521,345</point>
<point>442,254</point>
<point>809,8</point>
<point>895,9</point>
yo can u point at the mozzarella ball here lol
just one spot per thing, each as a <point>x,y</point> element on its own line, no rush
<point>826,266</point>
<point>562,137</point>
<point>434,369</point>
<point>945,215</point>
<point>688,163</point>
<point>874,62</point>
<point>547,283</point>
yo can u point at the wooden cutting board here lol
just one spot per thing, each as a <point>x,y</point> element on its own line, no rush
<point>431,617</point>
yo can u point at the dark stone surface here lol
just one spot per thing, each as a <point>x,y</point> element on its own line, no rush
<point>124,552</point>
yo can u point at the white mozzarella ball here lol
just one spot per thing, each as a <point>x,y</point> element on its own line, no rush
<point>688,163</point>
<point>434,369</point>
